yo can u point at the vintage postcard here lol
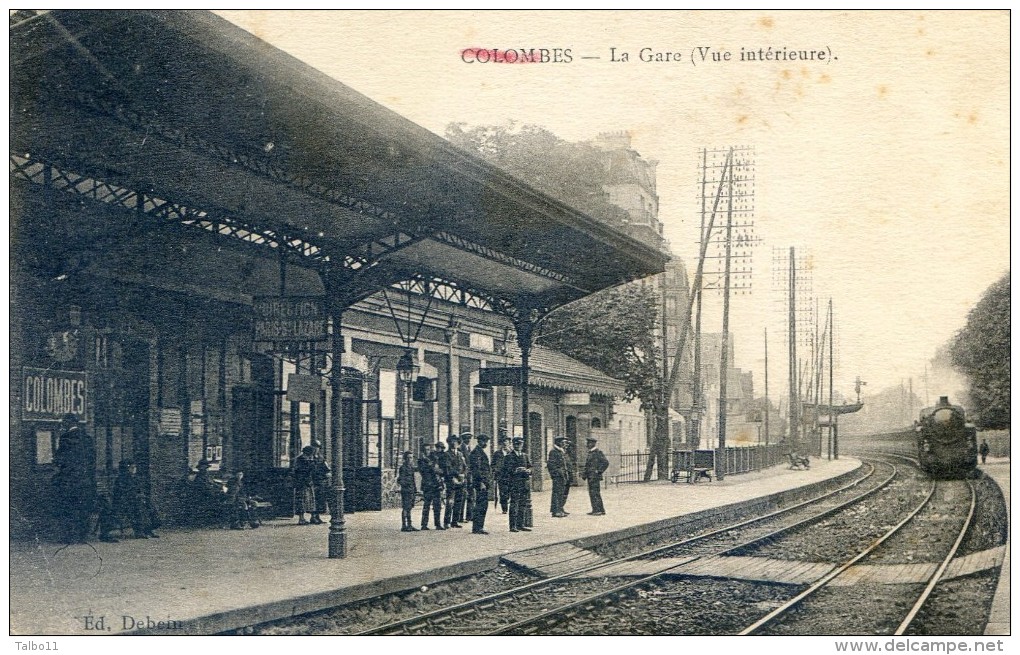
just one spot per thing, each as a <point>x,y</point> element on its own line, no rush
<point>675,323</point>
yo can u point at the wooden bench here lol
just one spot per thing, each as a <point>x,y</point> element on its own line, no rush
<point>799,462</point>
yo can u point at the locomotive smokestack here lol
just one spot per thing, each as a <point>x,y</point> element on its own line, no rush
<point>943,400</point>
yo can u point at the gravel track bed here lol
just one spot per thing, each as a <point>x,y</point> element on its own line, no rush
<point>740,535</point>
<point>681,607</point>
<point>627,547</point>
<point>684,606</point>
<point>957,607</point>
<point>364,615</point>
<point>932,532</point>
<point>991,523</point>
<point>367,614</point>
<point>521,607</point>
<point>839,537</point>
<point>863,609</point>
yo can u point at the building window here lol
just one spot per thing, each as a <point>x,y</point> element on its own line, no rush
<point>483,411</point>
<point>43,447</point>
<point>293,421</point>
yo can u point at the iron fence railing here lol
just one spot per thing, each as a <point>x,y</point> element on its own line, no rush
<point>730,461</point>
<point>630,467</point>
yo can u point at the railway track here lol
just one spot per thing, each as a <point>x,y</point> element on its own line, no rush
<point>777,615</point>
<point>570,592</point>
<point>585,611</point>
<point>583,616</point>
<point>613,597</point>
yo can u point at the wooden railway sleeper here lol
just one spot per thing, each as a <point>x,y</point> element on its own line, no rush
<point>532,593</point>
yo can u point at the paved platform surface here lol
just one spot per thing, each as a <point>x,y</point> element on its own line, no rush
<point>197,581</point>
<point>997,469</point>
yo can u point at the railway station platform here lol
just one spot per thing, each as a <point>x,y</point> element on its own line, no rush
<point>997,468</point>
<point>208,581</point>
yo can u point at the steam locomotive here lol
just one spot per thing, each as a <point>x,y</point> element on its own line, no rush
<point>946,443</point>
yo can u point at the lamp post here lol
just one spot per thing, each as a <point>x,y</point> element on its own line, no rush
<point>407,373</point>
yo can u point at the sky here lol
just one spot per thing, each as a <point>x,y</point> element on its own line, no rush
<point>885,163</point>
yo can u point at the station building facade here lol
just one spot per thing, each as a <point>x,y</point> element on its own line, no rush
<point>166,375</point>
<point>147,234</point>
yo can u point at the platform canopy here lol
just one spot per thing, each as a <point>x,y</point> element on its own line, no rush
<point>183,121</point>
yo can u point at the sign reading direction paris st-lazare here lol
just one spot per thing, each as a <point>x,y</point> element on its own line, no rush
<point>48,395</point>
<point>279,318</point>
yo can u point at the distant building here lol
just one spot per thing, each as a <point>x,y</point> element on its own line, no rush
<point>631,185</point>
<point>741,424</point>
<point>630,182</point>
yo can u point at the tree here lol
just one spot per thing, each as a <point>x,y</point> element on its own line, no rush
<point>612,331</point>
<point>981,352</point>
<point>572,173</point>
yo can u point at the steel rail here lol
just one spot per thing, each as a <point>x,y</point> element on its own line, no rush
<point>937,576</point>
<point>400,626</point>
<point>828,577</point>
<point>545,616</point>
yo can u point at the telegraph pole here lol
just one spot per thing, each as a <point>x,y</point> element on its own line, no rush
<point>910,401</point>
<point>736,243</point>
<point>794,401</point>
<point>831,423</point>
<point>696,401</point>
<point>724,356</point>
<point>792,278</point>
<point>767,406</point>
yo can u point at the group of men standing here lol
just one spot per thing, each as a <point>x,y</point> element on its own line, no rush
<point>561,472</point>
<point>457,479</point>
<point>466,479</point>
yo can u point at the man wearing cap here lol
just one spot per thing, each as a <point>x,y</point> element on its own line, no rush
<point>502,483</point>
<point>456,478</point>
<point>559,465</point>
<point>517,468</point>
<point>408,492</point>
<point>431,486</point>
<point>304,486</point>
<point>594,466</point>
<point>469,490</point>
<point>481,481</point>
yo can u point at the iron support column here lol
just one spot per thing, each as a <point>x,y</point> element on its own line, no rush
<point>525,327</point>
<point>337,524</point>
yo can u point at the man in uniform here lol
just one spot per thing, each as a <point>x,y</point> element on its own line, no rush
<point>502,483</point>
<point>594,467</point>
<point>481,481</point>
<point>517,468</point>
<point>431,486</point>
<point>408,492</point>
<point>469,491</point>
<point>456,478</point>
<point>559,466</point>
